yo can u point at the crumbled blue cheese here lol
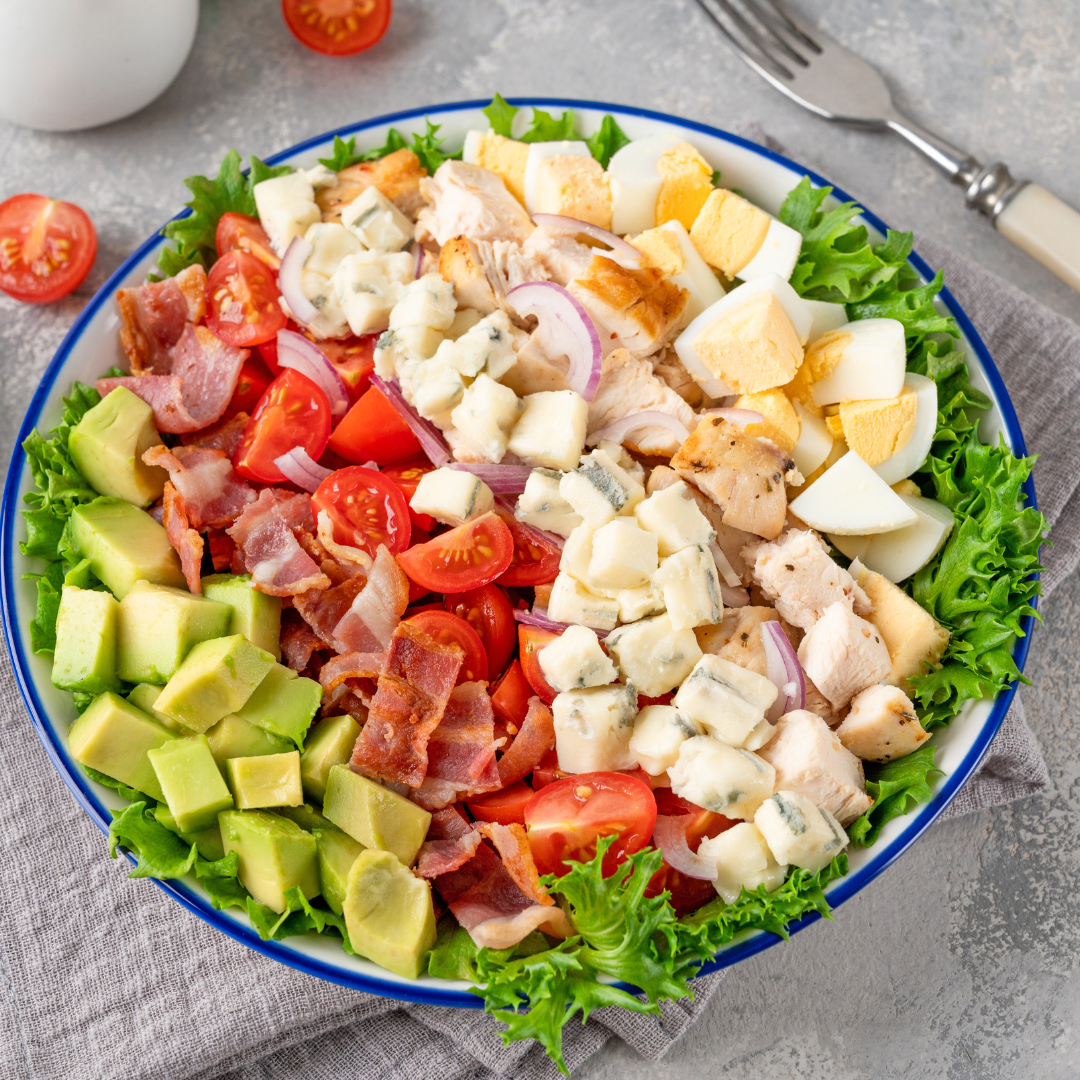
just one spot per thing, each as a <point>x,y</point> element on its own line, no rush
<point>330,243</point>
<point>635,604</point>
<point>798,832</point>
<point>593,728</point>
<point>376,222</point>
<point>674,516</point>
<point>368,285</point>
<point>571,602</point>
<point>485,416</point>
<point>286,207</point>
<point>576,553</point>
<point>541,505</point>
<point>397,352</point>
<point>452,496</point>
<point>623,556</point>
<point>743,860</point>
<point>599,489</point>
<point>729,701</point>
<point>574,661</point>
<point>551,429</point>
<point>427,301</point>
<point>721,778</point>
<point>653,655</point>
<point>691,587</point>
<point>434,388</point>
<point>659,731</point>
<point>490,346</point>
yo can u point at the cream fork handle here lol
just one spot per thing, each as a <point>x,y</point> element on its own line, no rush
<point>1046,228</point>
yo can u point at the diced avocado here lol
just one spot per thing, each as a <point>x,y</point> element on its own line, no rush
<point>374,815</point>
<point>283,704</point>
<point>107,446</point>
<point>275,855</point>
<point>207,841</point>
<point>124,544</point>
<point>85,654</point>
<point>388,913</point>
<point>307,817</point>
<point>337,853</point>
<point>144,696</point>
<point>232,737</point>
<point>330,743</point>
<point>189,777</point>
<point>216,678</point>
<point>113,737</point>
<point>254,614</point>
<point>159,626</point>
<point>270,780</point>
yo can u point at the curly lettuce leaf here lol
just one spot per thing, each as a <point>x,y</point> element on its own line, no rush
<point>547,128</point>
<point>429,148</point>
<point>159,852</point>
<point>43,624</point>
<point>345,153</point>
<point>299,917</point>
<point>606,140</point>
<point>133,794</point>
<point>501,115</point>
<point>896,788</point>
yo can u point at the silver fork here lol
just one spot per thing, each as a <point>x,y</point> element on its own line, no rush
<point>821,75</point>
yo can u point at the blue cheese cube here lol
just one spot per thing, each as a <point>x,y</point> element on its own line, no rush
<point>571,602</point>
<point>541,505</point>
<point>330,243</point>
<point>673,515</point>
<point>691,587</point>
<point>621,456</point>
<point>721,778</point>
<point>743,860</point>
<point>600,489</point>
<point>653,655</point>
<point>637,603</point>
<point>376,222</point>
<point>593,728</point>
<point>623,556</point>
<point>427,301</point>
<point>729,701</point>
<point>576,553</point>
<point>659,732</point>
<point>396,349</point>
<point>286,207</point>
<point>575,660</point>
<point>489,345</point>
<point>551,429</point>
<point>435,388</point>
<point>485,416</point>
<point>798,832</point>
<point>368,285</point>
<point>452,496</point>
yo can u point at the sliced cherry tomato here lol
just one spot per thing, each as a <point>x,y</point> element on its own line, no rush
<point>365,508</point>
<point>531,639</point>
<point>461,559</point>
<point>239,232</point>
<point>242,300</point>
<point>354,358</point>
<point>489,613</point>
<point>536,560</point>
<point>337,27</point>
<point>407,476</point>
<point>548,771</point>
<point>250,387</point>
<point>510,696</point>
<point>448,629</point>
<point>372,430</point>
<point>46,248</point>
<point>294,411</point>
<point>507,807</point>
<point>565,819</point>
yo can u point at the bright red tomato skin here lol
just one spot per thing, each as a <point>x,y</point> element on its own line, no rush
<point>240,232</point>
<point>407,475</point>
<point>548,771</point>
<point>461,559</point>
<point>372,430</point>
<point>489,613</point>
<point>354,358</point>
<point>46,248</point>
<point>531,639</point>
<point>334,28</point>
<point>250,387</point>
<point>510,696</point>
<point>365,509</point>
<point>449,629</point>
<point>507,806</point>
<point>536,560</point>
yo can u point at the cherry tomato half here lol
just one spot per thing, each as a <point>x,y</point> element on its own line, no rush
<point>239,232</point>
<point>294,411</point>
<point>250,387</point>
<point>448,629</point>
<point>565,819</point>
<point>365,508</point>
<point>242,300</point>
<point>536,560</point>
<point>548,771</point>
<point>507,807</point>
<point>337,27</point>
<point>46,248</point>
<point>407,476</point>
<point>354,358</point>
<point>463,558</point>
<point>372,430</point>
<point>489,613</point>
<point>531,639</point>
<point>510,696</point>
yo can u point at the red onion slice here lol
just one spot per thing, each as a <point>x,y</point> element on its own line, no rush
<point>738,417</point>
<point>418,271</point>
<point>292,266</point>
<point>618,430</point>
<point>724,569</point>
<point>427,435</point>
<point>565,330</point>
<point>782,668</point>
<point>298,467</point>
<point>502,479</point>
<point>576,225</point>
<point>669,836</point>
<point>538,618</point>
<point>296,351</point>
<point>734,597</point>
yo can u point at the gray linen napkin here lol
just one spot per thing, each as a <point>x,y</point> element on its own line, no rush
<point>107,978</point>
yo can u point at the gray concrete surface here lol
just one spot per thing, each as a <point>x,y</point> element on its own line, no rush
<point>961,961</point>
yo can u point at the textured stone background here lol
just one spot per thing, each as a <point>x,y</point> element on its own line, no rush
<point>960,961</point>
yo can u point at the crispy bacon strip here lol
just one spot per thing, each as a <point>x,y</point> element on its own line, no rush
<point>532,742</point>
<point>323,609</point>
<point>224,435</point>
<point>512,845</point>
<point>359,671</point>
<point>221,549</point>
<point>154,316</point>
<point>187,542</point>
<point>451,842</point>
<point>298,642</point>
<point>214,493</point>
<point>370,622</point>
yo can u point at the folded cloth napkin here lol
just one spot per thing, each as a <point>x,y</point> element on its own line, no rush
<point>108,978</point>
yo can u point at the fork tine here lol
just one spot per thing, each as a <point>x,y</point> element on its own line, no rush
<point>792,24</point>
<point>773,27</point>
<point>771,68</point>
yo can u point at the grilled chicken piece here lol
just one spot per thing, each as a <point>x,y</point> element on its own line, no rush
<point>483,272</point>
<point>465,200</point>
<point>744,475</point>
<point>882,725</point>
<point>637,310</point>
<point>564,257</point>
<point>670,371</point>
<point>843,654</point>
<point>397,176</point>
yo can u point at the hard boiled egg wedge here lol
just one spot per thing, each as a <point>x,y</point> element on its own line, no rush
<point>826,317</point>
<point>863,359</point>
<point>540,150</point>
<point>696,277</point>
<point>778,254</point>
<point>913,453</point>
<point>635,183</point>
<point>814,442</point>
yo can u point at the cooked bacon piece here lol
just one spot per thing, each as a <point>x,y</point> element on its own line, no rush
<point>323,609</point>
<point>224,435</point>
<point>352,559</point>
<point>532,742</point>
<point>214,493</point>
<point>425,663</point>
<point>370,622</point>
<point>451,842</point>
<point>187,542</point>
<point>154,316</point>
<point>397,176</point>
<point>506,931</point>
<point>221,549</point>
<point>298,642</point>
<point>358,671</point>
<point>513,846</point>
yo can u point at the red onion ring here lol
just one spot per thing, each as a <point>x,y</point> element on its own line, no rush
<point>502,479</point>
<point>570,224</point>
<point>619,429</point>
<point>565,330</point>
<point>419,261</point>
<point>738,417</point>
<point>427,435</point>
<point>296,351</point>
<point>297,467</point>
<point>782,668</point>
<point>538,618</point>
<point>292,265</point>
<point>669,835</point>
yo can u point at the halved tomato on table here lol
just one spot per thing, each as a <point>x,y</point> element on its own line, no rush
<point>242,300</point>
<point>407,476</point>
<point>46,248</point>
<point>448,629</point>
<point>241,232</point>
<point>531,639</point>
<point>337,27</point>
<point>461,559</point>
<point>489,613</point>
<point>507,807</point>
<point>365,509</point>
<point>536,559</point>
<point>372,430</point>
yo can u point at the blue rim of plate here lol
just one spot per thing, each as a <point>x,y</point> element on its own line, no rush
<point>78,784</point>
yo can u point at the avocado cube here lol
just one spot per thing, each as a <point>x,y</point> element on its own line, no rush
<point>337,853</point>
<point>216,678</point>
<point>270,780</point>
<point>189,777</point>
<point>113,737</point>
<point>331,743</point>
<point>144,696</point>
<point>107,446</point>
<point>85,654</point>
<point>388,913</point>
<point>254,614</point>
<point>283,704</point>
<point>207,841</point>
<point>275,855</point>
<point>159,626</point>
<point>124,544</point>
<point>307,817</point>
<point>375,815</point>
<point>232,737</point>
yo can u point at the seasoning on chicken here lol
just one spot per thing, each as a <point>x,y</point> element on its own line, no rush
<point>882,725</point>
<point>397,176</point>
<point>843,654</point>
<point>465,200</point>
<point>483,272</point>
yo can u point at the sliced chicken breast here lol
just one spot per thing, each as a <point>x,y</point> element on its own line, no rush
<point>843,654</point>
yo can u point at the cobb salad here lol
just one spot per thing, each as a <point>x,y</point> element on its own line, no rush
<point>534,564</point>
